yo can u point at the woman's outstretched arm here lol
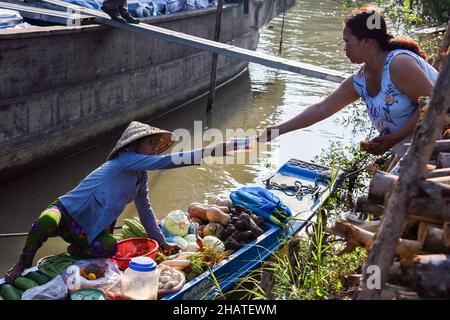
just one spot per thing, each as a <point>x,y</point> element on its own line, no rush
<point>341,97</point>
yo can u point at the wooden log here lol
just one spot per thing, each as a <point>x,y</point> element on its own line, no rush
<point>429,275</point>
<point>440,146</point>
<point>365,206</point>
<point>381,184</point>
<point>422,229</point>
<point>444,172</point>
<point>443,180</point>
<point>446,229</point>
<point>360,237</point>
<point>432,238</point>
<point>413,167</point>
<point>432,203</point>
<point>443,160</point>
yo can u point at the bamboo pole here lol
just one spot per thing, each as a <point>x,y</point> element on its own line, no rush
<point>212,84</point>
<point>412,168</point>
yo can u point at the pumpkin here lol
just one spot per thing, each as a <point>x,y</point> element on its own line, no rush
<point>220,201</point>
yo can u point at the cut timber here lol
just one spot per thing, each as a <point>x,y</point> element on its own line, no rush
<point>446,228</point>
<point>433,240</point>
<point>430,275</point>
<point>422,229</point>
<point>444,172</point>
<point>406,248</point>
<point>432,202</point>
<point>371,226</point>
<point>443,180</point>
<point>443,160</point>
<point>381,184</point>
<point>365,206</point>
<point>440,146</point>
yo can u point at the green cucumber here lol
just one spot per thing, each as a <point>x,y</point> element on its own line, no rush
<point>38,277</point>
<point>10,293</point>
<point>23,283</point>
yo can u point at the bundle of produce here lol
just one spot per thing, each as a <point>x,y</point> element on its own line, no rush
<point>179,261</point>
<point>244,228</point>
<point>132,228</point>
<point>262,203</point>
<point>55,265</point>
<point>205,260</point>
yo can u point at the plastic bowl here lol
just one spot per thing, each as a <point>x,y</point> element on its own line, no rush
<point>134,247</point>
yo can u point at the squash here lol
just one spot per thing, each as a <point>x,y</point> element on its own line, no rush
<point>215,215</point>
<point>197,210</point>
<point>222,202</point>
<point>221,208</point>
<point>212,229</point>
<point>196,220</point>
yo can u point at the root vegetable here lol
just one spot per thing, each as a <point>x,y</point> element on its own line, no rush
<point>213,229</point>
<point>215,215</point>
<point>197,210</point>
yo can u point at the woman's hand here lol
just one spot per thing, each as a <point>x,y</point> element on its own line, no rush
<point>14,272</point>
<point>385,143</point>
<point>169,249</point>
<point>268,134</point>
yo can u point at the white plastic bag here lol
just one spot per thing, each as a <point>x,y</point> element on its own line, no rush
<point>109,282</point>
<point>53,290</point>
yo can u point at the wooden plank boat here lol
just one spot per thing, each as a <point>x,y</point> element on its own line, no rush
<point>221,279</point>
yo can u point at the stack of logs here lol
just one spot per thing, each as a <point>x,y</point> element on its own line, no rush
<point>422,266</point>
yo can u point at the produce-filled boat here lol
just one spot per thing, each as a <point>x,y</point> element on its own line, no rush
<point>302,187</point>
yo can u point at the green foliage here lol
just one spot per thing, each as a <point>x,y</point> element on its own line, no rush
<point>319,277</point>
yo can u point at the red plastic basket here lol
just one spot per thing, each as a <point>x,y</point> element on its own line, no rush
<point>134,247</point>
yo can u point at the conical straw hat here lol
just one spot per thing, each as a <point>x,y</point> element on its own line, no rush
<point>137,130</point>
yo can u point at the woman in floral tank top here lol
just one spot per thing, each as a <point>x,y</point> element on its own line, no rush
<point>393,75</point>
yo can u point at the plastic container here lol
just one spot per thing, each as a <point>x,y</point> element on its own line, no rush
<point>141,279</point>
<point>134,247</point>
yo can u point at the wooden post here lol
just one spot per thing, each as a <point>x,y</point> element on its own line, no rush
<point>412,169</point>
<point>442,49</point>
<point>212,84</point>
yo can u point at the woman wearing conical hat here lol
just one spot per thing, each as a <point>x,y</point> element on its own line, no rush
<point>84,216</point>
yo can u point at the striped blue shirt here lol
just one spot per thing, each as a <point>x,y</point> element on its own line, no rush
<point>101,197</point>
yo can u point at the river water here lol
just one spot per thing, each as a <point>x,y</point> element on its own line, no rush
<point>263,96</point>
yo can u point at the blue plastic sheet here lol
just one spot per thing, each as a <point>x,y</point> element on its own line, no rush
<point>259,200</point>
<point>141,8</point>
<point>91,4</point>
<point>9,19</point>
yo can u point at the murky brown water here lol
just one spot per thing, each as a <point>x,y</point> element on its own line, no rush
<point>261,97</point>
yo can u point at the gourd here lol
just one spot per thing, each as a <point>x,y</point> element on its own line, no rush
<point>215,215</point>
<point>223,202</point>
<point>197,210</point>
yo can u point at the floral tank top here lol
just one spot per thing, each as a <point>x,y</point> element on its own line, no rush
<point>390,109</point>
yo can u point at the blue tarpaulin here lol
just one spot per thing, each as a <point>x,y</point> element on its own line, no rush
<point>260,201</point>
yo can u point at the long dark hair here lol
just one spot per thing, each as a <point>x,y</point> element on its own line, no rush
<point>360,23</point>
